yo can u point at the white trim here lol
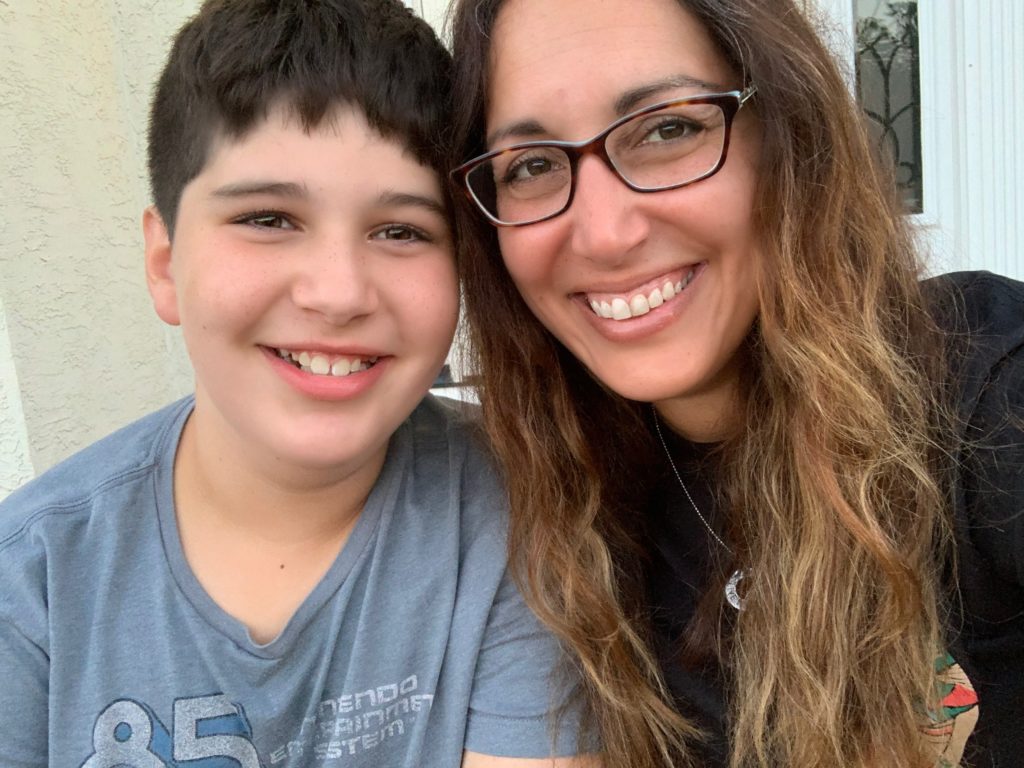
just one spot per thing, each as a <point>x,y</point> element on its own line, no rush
<point>15,460</point>
<point>941,123</point>
<point>991,38</point>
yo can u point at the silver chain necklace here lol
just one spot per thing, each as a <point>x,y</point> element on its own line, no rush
<point>732,595</point>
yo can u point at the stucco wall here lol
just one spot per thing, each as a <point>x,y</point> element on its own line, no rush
<point>81,351</point>
<point>85,350</point>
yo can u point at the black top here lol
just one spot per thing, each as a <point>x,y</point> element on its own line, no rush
<point>987,637</point>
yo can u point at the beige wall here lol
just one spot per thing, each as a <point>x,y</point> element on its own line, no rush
<point>85,352</point>
<point>81,351</point>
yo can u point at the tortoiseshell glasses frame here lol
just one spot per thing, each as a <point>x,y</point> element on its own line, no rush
<point>669,161</point>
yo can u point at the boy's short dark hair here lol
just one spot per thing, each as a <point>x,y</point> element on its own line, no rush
<point>236,59</point>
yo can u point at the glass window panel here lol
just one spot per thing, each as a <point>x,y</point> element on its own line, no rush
<point>888,87</point>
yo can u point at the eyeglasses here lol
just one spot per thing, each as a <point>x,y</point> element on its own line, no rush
<point>664,146</point>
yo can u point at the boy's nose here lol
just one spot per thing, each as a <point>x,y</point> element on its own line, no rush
<point>335,281</point>
<point>607,222</point>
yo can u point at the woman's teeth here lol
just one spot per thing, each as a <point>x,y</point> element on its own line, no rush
<point>625,308</point>
<point>323,365</point>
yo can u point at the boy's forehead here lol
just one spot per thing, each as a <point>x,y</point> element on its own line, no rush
<point>281,154</point>
<point>285,116</point>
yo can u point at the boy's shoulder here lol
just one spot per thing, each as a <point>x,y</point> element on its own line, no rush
<point>455,419</point>
<point>452,429</point>
<point>451,460</point>
<point>75,483</point>
<point>983,315</point>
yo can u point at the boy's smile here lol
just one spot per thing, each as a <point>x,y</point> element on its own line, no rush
<point>324,363</point>
<point>312,275</point>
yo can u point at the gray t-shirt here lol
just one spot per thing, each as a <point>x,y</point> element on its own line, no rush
<point>414,646</point>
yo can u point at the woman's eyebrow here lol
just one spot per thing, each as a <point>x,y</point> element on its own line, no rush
<point>633,98</point>
<point>626,103</point>
<point>524,129</point>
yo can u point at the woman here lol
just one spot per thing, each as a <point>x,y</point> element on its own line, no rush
<point>751,456</point>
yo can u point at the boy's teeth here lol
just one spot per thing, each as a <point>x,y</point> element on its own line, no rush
<point>319,365</point>
<point>621,308</point>
<point>322,365</point>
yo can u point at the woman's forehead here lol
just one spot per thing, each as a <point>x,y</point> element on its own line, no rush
<point>571,56</point>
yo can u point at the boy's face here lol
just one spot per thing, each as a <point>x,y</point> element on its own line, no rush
<point>313,278</point>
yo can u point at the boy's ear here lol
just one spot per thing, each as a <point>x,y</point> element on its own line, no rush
<point>159,275</point>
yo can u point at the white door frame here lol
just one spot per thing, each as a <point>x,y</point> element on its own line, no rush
<point>972,118</point>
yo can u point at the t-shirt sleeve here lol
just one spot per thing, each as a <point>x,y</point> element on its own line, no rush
<point>23,700</point>
<point>524,701</point>
<point>24,662</point>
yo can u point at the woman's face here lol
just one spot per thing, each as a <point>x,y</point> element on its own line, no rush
<point>565,70</point>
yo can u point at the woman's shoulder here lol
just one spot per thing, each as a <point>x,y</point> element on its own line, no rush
<point>982,315</point>
<point>977,303</point>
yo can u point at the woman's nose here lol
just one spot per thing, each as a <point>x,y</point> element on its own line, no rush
<point>607,222</point>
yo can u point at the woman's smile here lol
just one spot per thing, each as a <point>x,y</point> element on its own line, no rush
<point>641,299</point>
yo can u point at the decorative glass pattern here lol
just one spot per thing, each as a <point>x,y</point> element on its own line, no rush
<point>888,87</point>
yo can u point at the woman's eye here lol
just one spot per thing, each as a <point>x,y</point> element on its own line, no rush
<point>529,167</point>
<point>536,166</point>
<point>670,130</point>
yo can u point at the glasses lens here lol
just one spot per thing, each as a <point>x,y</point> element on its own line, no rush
<point>522,185</point>
<point>672,146</point>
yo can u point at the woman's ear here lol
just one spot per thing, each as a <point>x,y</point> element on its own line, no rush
<point>159,275</point>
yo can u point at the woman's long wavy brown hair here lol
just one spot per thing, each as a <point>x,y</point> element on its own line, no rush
<point>834,478</point>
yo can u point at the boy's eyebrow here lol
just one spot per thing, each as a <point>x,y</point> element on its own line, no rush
<point>626,103</point>
<point>400,199</point>
<point>246,188</point>
<point>291,189</point>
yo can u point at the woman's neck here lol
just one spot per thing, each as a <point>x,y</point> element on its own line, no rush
<point>707,417</point>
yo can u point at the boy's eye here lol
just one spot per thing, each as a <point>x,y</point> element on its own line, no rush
<point>266,220</point>
<point>402,232</point>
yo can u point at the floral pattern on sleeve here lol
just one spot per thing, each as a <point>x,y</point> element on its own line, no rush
<point>951,727</point>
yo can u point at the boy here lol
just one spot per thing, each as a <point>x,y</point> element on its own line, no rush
<point>303,564</point>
